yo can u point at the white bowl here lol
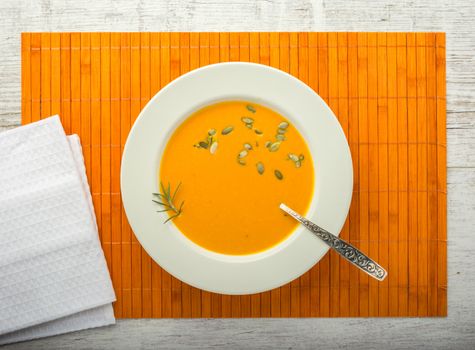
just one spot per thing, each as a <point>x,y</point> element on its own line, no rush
<point>257,83</point>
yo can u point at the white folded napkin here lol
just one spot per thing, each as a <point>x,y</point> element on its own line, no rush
<point>53,275</point>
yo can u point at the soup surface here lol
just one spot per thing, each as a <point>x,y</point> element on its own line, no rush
<point>236,162</point>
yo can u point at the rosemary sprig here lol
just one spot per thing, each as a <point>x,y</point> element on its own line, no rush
<point>167,200</point>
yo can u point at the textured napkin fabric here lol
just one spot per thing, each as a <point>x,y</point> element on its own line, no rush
<point>97,317</point>
<point>53,275</point>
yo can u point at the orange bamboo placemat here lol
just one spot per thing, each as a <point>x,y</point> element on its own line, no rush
<point>388,92</point>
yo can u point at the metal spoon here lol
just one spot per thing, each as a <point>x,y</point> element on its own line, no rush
<point>346,250</point>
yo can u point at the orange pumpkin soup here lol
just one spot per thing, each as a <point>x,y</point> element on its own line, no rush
<point>236,162</point>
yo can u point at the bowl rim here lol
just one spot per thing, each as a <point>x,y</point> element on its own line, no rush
<point>137,153</point>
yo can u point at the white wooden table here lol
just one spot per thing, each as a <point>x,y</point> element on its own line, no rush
<point>455,17</point>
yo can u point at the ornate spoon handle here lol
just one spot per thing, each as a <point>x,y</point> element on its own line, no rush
<point>346,250</point>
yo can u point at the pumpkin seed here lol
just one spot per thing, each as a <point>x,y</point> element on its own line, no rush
<point>227,130</point>
<point>280,137</point>
<point>283,125</point>
<point>241,161</point>
<point>203,144</point>
<point>281,131</point>
<point>247,120</point>
<point>213,148</point>
<point>293,157</point>
<point>247,146</point>
<point>301,157</point>
<point>258,132</point>
<point>278,174</point>
<point>298,164</point>
<point>242,154</point>
<point>212,132</point>
<point>249,126</point>
<point>267,144</point>
<point>260,168</point>
<point>251,109</point>
<point>274,147</point>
